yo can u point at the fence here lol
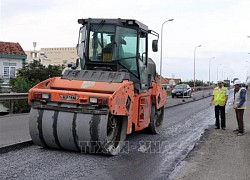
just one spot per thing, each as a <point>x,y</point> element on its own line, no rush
<point>11,97</point>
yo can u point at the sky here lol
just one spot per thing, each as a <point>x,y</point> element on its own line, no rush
<point>222,28</point>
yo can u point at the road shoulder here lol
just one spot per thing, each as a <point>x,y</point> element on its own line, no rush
<point>221,154</point>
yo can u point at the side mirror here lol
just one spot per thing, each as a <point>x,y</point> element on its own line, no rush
<point>155,45</point>
<point>69,65</point>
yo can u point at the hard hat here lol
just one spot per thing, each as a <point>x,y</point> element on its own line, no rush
<point>237,82</point>
<point>219,81</point>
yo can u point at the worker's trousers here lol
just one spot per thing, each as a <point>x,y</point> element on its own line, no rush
<point>220,111</point>
<point>239,116</point>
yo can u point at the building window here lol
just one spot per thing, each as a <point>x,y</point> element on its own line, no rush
<point>9,70</point>
<point>34,55</point>
<point>6,71</point>
<point>9,64</point>
<point>12,64</point>
<point>12,72</point>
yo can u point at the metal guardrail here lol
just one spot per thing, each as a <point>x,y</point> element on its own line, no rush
<point>11,97</point>
<point>201,88</point>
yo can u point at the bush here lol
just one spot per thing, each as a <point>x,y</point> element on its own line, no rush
<point>27,77</point>
<point>20,84</point>
<point>36,72</point>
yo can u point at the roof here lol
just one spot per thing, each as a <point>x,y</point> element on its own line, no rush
<point>161,79</point>
<point>11,48</point>
<point>118,21</point>
<point>173,78</point>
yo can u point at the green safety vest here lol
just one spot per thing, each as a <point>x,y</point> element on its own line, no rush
<point>220,97</point>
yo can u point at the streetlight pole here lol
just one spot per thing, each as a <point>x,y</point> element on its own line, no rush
<point>222,73</point>
<point>225,75</point>
<point>209,72</point>
<point>194,63</point>
<point>249,67</point>
<point>161,45</point>
<point>218,71</point>
<point>248,70</point>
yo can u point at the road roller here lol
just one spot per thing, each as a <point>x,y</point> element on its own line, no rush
<point>110,91</point>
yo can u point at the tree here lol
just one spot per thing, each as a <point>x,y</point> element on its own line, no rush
<point>54,71</point>
<point>36,72</point>
<point>28,77</point>
<point>20,84</point>
<point>197,83</point>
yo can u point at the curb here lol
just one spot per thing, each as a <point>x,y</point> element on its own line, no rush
<point>187,102</point>
<point>11,115</point>
<point>15,146</point>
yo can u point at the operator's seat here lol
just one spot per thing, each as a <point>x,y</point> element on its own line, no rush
<point>107,50</point>
<point>107,53</point>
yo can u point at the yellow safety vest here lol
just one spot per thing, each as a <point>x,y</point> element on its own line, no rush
<point>220,97</point>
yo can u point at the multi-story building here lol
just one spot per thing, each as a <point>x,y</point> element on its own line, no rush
<point>53,56</point>
<point>12,57</point>
<point>37,55</point>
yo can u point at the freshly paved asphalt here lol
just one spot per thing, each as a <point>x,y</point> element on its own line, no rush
<point>15,128</point>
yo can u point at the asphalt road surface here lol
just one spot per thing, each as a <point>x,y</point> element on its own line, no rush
<point>14,129</point>
<point>220,154</point>
<point>195,96</point>
<point>145,156</point>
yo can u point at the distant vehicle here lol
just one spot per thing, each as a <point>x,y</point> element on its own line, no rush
<point>227,83</point>
<point>181,90</point>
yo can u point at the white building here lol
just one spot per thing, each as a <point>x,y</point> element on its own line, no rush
<point>12,57</point>
<point>53,56</point>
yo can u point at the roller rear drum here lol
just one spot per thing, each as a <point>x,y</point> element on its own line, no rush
<point>77,132</point>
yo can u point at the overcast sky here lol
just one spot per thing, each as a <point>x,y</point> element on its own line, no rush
<point>222,28</point>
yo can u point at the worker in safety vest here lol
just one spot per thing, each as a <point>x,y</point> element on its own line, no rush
<point>219,99</point>
<point>239,105</point>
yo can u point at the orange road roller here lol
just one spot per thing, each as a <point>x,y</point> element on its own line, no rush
<point>109,92</point>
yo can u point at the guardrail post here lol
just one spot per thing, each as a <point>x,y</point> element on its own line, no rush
<point>11,106</point>
<point>11,97</point>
